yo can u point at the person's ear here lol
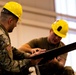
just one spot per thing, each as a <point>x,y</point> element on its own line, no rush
<point>10,20</point>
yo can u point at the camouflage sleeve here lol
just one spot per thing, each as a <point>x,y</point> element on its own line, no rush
<point>6,57</point>
<point>19,55</point>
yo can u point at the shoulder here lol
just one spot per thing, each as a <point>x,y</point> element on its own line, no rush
<point>39,39</point>
<point>43,38</point>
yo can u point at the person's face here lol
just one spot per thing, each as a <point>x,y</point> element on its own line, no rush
<point>12,24</point>
<point>53,38</point>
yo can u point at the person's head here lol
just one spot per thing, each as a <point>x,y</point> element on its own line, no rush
<point>10,15</point>
<point>58,31</point>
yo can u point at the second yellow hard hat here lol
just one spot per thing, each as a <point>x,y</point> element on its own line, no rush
<point>60,28</point>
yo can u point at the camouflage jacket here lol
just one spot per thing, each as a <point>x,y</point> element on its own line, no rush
<point>9,53</point>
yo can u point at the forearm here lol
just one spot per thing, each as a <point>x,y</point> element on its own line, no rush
<point>18,55</point>
<point>26,48</point>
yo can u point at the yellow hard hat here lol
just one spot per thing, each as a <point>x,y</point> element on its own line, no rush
<point>60,28</point>
<point>14,8</point>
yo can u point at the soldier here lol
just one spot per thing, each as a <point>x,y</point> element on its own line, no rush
<point>58,31</point>
<point>11,59</point>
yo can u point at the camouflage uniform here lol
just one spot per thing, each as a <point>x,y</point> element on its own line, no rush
<point>10,58</point>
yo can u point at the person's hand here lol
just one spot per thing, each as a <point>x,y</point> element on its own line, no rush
<point>37,51</point>
<point>58,60</point>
